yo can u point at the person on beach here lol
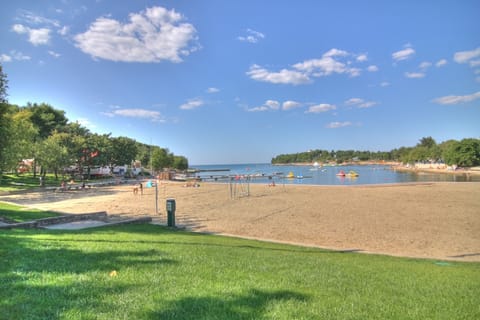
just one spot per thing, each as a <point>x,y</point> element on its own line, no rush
<point>62,186</point>
<point>141,188</point>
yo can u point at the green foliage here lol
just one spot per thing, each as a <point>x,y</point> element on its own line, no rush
<point>3,86</point>
<point>462,153</point>
<point>161,158</point>
<point>46,119</point>
<point>165,274</point>
<point>41,132</point>
<point>180,163</point>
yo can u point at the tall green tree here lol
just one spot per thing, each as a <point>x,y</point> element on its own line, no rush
<point>465,153</point>
<point>180,163</point>
<point>21,133</point>
<point>3,86</point>
<point>46,119</point>
<point>161,158</point>
<point>53,153</point>
<point>124,151</point>
<point>4,122</point>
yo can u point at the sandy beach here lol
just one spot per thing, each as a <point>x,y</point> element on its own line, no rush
<point>430,220</point>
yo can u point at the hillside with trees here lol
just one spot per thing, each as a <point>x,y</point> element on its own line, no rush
<point>464,153</point>
<point>44,134</point>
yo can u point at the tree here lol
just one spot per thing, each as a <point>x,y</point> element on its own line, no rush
<point>3,86</point>
<point>19,136</point>
<point>4,123</point>
<point>427,142</point>
<point>46,119</point>
<point>124,151</point>
<point>465,153</point>
<point>180,163</point>
<point>161,158</point>
<point>54,153</point>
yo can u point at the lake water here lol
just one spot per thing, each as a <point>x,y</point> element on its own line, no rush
<point>370,174</point>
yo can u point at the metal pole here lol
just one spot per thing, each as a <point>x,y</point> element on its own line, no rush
<point>156,197</point>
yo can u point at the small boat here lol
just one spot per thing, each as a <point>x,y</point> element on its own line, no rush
<point>353,173</point>
<point>341,173</point>
<point>290,175</point>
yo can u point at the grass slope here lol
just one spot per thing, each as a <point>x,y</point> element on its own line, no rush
<point>16,213</point>
<point>164,274</point>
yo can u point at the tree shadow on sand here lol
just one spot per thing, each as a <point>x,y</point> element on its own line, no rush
<point>256,304</point>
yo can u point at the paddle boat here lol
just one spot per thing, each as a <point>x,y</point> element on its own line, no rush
<point>290,175</point>
<point>341,173</point>
<point>353,174</point>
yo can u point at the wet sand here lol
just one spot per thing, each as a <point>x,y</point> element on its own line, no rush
<point>439,220</point>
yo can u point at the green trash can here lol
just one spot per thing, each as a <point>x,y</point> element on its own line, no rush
<point>171,206</point>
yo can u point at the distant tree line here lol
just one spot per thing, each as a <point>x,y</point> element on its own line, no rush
<point>464,153</point>
<point>43,133</point>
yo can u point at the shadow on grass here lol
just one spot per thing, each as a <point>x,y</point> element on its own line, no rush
<point>186,238</point>
<point>45,279</point>
<point>256,304</point>
<point>13,216</point>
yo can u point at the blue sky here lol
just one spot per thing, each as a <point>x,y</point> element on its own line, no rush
<point>243,81</point>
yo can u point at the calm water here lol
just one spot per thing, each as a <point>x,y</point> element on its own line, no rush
<point>372,174</point>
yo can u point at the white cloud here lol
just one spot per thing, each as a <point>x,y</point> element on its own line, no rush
<point>335,52</point>
<point>63,31</point>
<point>252,36</point>
<point>325,66</point>
<point>302,72</point>
<point>54,54</point>
<point>283,76</point>
<point>213,90</point>
<point>414,75</point>
<point>192,104</point>
<point>441,63</point>
<point>35,19</point>
<point>425,65</point>
<point>288,105</point>
<point>334,125</point>
<point>367,104</point>
<point>319,108</point>
<point>258,109</point>
<point>267,106</point>
<point>353,101</point>
<point>362,58</point>
<point>272,104</point>
<point>5,58</point>
<point>360,103</point>
<point>154,116</point>
<point>457,99</point>
<point>403,54</point>
<point>153,35</point>
<point>468,57</point>
<point>372,68</point>
<point>35,36</point>
<point>20,28</point>
<point>86,123</point>
<point>384,84</point>
<point>14,55</point>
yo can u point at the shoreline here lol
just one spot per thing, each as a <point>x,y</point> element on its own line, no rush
<point>458,171</point>
<point>395,166</point>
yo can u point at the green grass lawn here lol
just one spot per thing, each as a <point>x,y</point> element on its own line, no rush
<point>16,213</point>
<point>165,274</point>
<point>12,182</point>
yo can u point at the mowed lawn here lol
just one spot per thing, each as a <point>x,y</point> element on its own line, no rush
<point>152,272</point>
